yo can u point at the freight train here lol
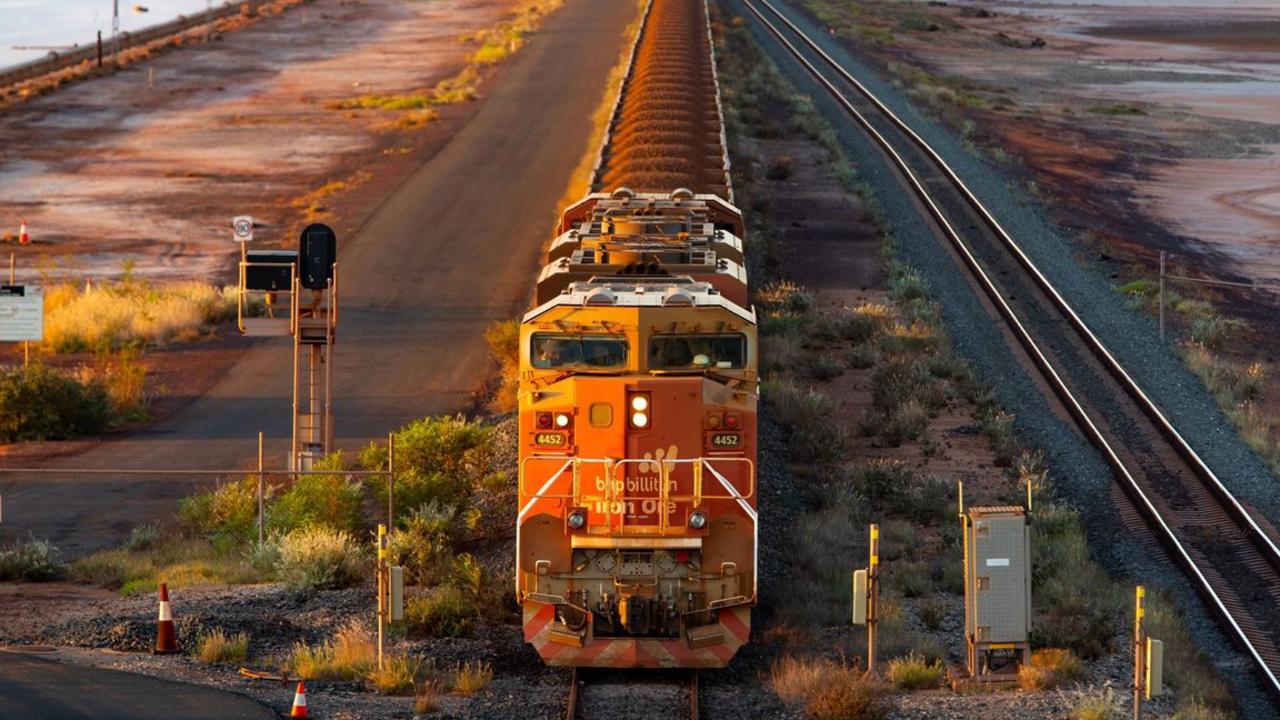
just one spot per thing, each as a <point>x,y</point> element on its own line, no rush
<point>637,532</point>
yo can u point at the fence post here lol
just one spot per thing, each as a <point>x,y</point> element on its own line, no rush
<point>382,587</point>
<point>262,491</point>
<point>1139,646</point>
<point>1162,258</point>
<point>873,602</point>
<point>391,480</point>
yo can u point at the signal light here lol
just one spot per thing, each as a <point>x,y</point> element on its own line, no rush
<point>544,420</point>
<point>698,520</point>
<point>577,519</point>
<point>562,420</point>
<point>713,421</point>
<point>731,421</point>
<point>639,419</point>
<point>639,403</point>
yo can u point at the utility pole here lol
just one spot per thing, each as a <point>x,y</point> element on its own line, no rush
<point>115,31</point>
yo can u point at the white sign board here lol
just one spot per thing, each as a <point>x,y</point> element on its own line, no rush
<point>242,228</point>
<point>21,313</point>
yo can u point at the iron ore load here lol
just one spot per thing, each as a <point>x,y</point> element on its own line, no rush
<point>637,533</point>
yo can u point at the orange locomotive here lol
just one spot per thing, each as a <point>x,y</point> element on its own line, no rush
<point>637,530</point>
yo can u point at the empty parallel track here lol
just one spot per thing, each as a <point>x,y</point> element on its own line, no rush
<point>1173,494</point>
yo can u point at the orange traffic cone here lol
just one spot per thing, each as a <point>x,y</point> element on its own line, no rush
<point>166,639</point>
<point>299,702</point>
<point>23,239</point>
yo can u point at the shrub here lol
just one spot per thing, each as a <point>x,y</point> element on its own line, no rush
<point>999,427</point>
<point>440,459</point>
<point>424,545</point>
<point>34,560</point>
<point>932,612</point>
<point>316,558</point>
<point>216,646</point>
<point>904,423</point>
<point>1049,668</point>
<point>825,367</point>
<point>142,537</point>
<point>472,676</point>
<point>228,513</point>
<point>328,501</point>
<point>884,483</point>
<point>1097,705</point>
<point>1086,623</point>
<point>804,411</point>
<point>39,403</point>
<point>445,612</point>
<point>397,675</point>
<point>349,655</point>
<point>781,352</point>
<point>913,672</point>
<point>784,296</point>
<point>863,356</point>
<point>911,578</point>
<point>780,167</point>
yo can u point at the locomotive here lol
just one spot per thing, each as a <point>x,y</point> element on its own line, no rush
<point>637,533</point>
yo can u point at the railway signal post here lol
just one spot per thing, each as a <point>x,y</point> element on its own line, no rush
<point>312,324</point>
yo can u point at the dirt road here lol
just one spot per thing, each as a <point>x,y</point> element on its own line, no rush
<point>450,250</point>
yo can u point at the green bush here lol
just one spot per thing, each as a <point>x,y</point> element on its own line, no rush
<point>446,611</point>
<point>424,544</point>
<point>330,501</point>
<point>438,459</point>
<point>914,672</point>
<point>814,437</point>
<point>317,558</point>
<point>35,560</point>
<point>39,403</point>
<point>228,513</point>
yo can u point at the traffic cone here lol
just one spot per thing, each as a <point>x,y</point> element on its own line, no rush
<point>299,702</point>
<point>23,239</point>
<point>166,639</point>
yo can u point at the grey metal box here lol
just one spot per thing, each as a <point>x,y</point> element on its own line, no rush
<point>997,576</point>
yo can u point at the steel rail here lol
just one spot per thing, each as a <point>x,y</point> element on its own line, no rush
<point>1074,407</point>
<point>577,681</point>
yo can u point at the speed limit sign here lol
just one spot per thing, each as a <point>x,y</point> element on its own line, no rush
<point>242,228</point>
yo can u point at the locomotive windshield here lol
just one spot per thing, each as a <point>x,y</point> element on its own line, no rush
<point>578,351</point>
<point>698,352</point>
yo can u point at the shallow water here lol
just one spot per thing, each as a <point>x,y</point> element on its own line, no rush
<point>61,24</point>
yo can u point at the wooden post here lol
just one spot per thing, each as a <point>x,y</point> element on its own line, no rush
<point>262,492</point>
<point>873,602</point>
<point>1163,255</point>
<point>391,480</point>
<point>382,588</point>
<point>99,48</point>
<point>1139,650</point>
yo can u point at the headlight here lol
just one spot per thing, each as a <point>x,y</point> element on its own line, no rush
<point>577,519</point>
<point>698,520</point>
<point>562,420</point>
<point>639,403</point>
<point>639,419</point>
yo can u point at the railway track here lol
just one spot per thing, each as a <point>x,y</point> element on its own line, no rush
<point>1171,493</point>
<point>645,697</point>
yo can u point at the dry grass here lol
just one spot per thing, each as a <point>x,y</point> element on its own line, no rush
<point>1049,668</point>
<point>825,689</point>
<point>499,42</point>
<point>398,675</point>
<point>109,316</point>
<point>471,677</point>
<point>914,672</point>
<point>314,558</point>
<point>349,655</point>
<point>426,698</point>
<point>1097,705</point>
<point>216,646</point>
